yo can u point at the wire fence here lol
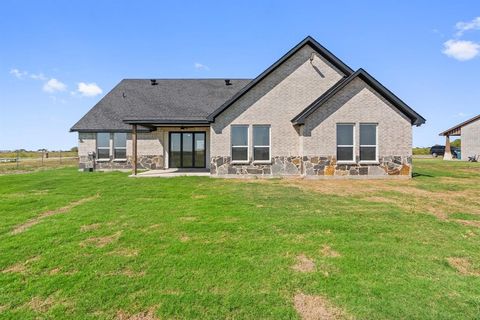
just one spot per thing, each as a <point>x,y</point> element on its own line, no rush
<point>29,161</point>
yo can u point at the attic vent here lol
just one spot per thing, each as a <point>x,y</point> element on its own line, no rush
<point>227,82</point>
<point>153,82</point>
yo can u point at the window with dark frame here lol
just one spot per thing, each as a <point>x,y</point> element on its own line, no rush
<point>239,143</point>
<point>345,142</point>
<point>261,143</point>
<point>368,142</point>
<point>103,145</point>
<point>120,145</point>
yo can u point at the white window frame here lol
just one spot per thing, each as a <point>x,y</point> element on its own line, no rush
<point>240,146</point>
<point>368,145</point>
<point>345,145</point>
<point>262,146</point>
<point>109,148</point>
<point>120,148</point>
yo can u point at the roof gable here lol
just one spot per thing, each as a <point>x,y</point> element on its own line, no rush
<point>372,82</point>
<point>330,57</point>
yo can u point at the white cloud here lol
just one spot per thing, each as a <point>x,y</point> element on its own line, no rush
<point>53,85</point>
<point>89,89</point>
<point>461,50</point>
<point>18,74</point>
<point>39,76</point>
<point>466,26</point>
<point>200,66</point>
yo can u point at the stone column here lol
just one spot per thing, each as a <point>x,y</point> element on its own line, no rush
<point>448,153</point>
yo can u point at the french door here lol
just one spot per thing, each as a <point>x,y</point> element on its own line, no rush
<point>187,150</point>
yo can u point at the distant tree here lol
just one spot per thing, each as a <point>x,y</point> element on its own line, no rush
<point>456,143</point>
<point>74,149</point>
<point>42,150</point>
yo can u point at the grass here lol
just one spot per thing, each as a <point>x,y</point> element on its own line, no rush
<point>195,247</point>
<point>30,164</point>
<point>37,154</point>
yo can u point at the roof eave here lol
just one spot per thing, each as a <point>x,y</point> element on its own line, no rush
<point>165,121</point>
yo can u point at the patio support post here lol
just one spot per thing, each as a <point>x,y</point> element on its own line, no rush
<point>134,148</point>
<point>448,153</point>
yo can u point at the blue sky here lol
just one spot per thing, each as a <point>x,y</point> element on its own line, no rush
<point>58,58</point>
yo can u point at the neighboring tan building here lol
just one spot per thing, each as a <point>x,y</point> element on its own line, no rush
<point>469,132</point>
<point>309,114</point>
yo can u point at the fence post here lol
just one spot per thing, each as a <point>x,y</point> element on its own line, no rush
<point>60,156</point>
<point>42,157</point>
<point>17,159</point>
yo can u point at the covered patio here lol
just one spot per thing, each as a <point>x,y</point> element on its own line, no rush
<point>184,144</point>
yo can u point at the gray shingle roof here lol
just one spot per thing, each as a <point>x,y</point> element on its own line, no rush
<point>170,101</point>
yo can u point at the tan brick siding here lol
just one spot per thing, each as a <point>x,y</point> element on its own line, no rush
<point>275,101</point>
<point>471,140</point>
<point>357,103</point>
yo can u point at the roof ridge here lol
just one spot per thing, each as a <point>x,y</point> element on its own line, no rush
<point>325,53</point>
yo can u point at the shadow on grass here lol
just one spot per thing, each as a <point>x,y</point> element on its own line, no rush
<point>419,174</point>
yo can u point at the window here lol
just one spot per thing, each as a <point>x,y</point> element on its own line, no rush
<point>368,142</point>
<point>239,142</point>
<point>120,145</point>
<point>261,143</point>
<point>103,145</point>
<point>345,150</point>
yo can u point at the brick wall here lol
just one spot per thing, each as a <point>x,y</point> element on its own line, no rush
<point>357,103</point>
<point>275,101</point>
<point>471,140</point>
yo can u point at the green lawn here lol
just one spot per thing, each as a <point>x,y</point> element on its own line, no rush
<point>201,248</point>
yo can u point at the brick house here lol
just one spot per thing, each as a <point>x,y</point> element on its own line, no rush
<point>309,114</point>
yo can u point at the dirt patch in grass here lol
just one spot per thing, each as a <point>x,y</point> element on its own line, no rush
<point>463,266</point>
<point>125,252</point>
<point>188,218</point>
<point>21,228</point>
<point>472,223</point>
<point>316,308</point>
<point>90,227</point>
<point>20,267</point>
<point>146,315</point>
<point>327,251</point>
<point>54,271</point>
<point>42,305</point>
<point>184,238</point>
<point>152,227</point>
<point>127,273</point>
<point>101,242</point>
<point>304,264</point>
<point>199,196</point>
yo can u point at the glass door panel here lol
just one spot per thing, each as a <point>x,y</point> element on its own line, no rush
<point>187,150</point>
<point>175,150</point>
<point>199,150</point>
